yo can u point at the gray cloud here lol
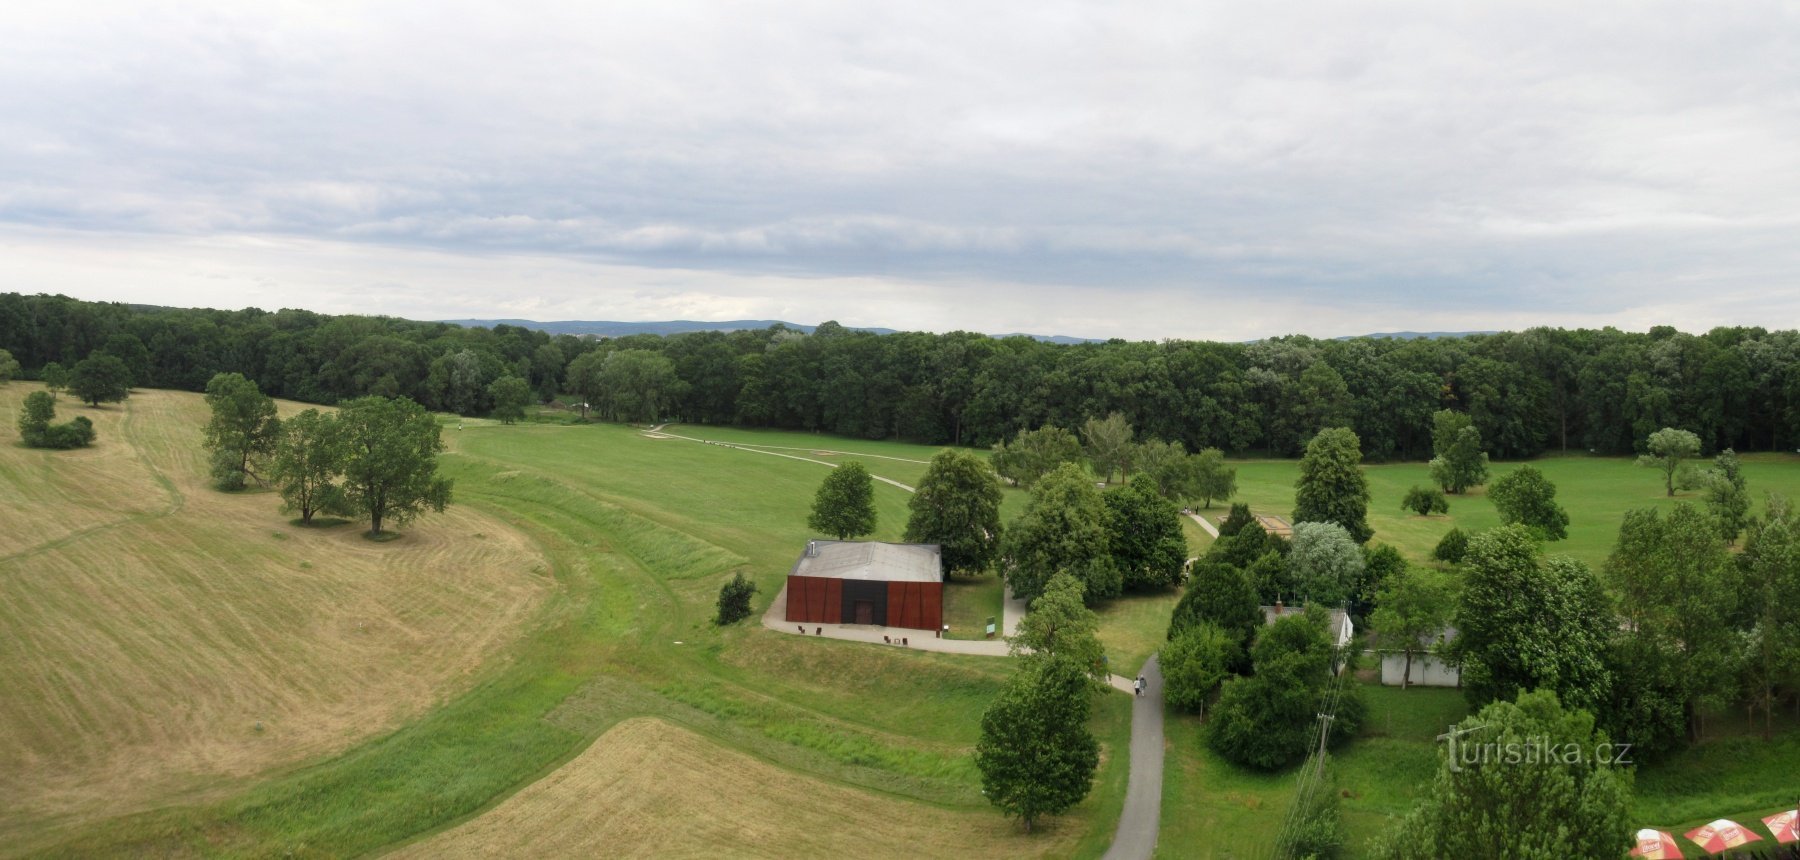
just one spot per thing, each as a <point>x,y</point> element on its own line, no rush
<point>1138,169</point>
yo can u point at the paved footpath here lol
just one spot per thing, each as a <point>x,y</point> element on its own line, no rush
<point>1204,523</point>
<point>1138,823</point>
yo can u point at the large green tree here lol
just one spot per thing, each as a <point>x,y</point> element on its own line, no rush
<point>1325,563</point>
<point>1063,529</point>
<point>1035,754</point>
<point>1223,596</point>
<point>309,458</point>
<point>1412,610</point>
<point>638,385</point>
<point>1458,461</point>
<point>390,460</point>
<point>1107,442</point>
<point>1669,450</point>
<point>1727,499</point>
<point>100,378</point>
<point>844,506</point>
<point>1060,625</point>
<point>1678,591</point>
<point>242,431</point>
<point>510,395</point>
<point>9,367</point>
<point>1145,538</point>
<point>1525,497</point>
<point>1035,453</point>
<point>1483,803</point>
<point>1331,487</point>
<point>957,507</point>
<point>1193,665</point>
<point>1526,623</point>
<point>1771,562</point>
<point>1269,719</point>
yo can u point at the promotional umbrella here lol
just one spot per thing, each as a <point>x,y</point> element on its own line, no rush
<point>1722,835</point>
<point>1656,845</point>
<point>1785,826</point>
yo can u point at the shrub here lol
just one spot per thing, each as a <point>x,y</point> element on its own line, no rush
<point>734,599</point>
<point>1452,547</point>
<point>1425,501</point>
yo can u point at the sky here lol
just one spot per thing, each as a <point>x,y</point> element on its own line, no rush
<point>1143,170</point>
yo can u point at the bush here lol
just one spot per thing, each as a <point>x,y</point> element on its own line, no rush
<point>734,599</point>
<point>1452,548</point>
<point>1193,664</point>
<point>1236,520</point>
<point>1425,501</point>
<point>75,434</point>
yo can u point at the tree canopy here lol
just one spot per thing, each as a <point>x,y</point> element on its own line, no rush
<point>1035,453</point>
<point>957,507</point>
<point>1035,753</point>
<point>1331,487</point>
<point>1060,625</point>
<point>390,460</point>
<point>1063,529</point>
<point>100,378</point>
<point>242,430</point>
<point>844,506</point>
<point>1669,450</point>
<point>1484,804</point>
<point>1458,461</point>
<point>1325,563</point>
<point>1525,497</point>
<point>1147,544</point>
<point>308,459</point>
<point>1526,623</point>
<point>1107,442</point>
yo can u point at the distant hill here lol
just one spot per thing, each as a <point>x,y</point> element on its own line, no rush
<point>1416,335</point>
<point>611,328</point>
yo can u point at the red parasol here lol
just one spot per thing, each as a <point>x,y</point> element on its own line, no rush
<point>1656,845</point>
<point>1722,835</point>
<point>1785,826</point>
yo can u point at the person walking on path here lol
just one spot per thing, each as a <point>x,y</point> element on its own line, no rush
<point>1138,685</point>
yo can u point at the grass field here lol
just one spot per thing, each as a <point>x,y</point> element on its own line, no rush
<point>635,535</point>
<point>1596,491</point>
<point>164,641</point>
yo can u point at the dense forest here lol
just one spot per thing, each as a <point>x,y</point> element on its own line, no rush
<point>1527,392</point>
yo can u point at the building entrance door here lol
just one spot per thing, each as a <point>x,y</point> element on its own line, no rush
<point>865,611</point>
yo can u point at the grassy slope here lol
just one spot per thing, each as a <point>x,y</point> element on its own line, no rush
<point>164,641</point>
<point>640,534</point>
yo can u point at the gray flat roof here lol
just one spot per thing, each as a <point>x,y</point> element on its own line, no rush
<point>871,560</point>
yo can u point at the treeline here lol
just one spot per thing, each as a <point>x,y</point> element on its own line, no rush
<point>1526,392</point>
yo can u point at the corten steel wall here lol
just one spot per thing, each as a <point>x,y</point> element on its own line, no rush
<point>815,599</point>
<point>918,605</point>
<point>819,600</point>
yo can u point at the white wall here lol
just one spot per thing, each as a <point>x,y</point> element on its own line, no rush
<point>1427,671</point>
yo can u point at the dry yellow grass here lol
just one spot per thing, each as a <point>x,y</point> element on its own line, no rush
<point>152,624</point>
<point>647,788</point>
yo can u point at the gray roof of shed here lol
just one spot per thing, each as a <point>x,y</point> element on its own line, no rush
<point>871,560</point>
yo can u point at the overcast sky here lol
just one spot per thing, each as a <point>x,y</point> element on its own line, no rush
<point>1147,170</point>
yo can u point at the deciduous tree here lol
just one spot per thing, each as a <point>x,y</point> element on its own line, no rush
<point>1269,719</point>
<point>1035,753</point>
<point>1525,623</point>
<point>1425,501</point>
<point>1063,529</point>
<point>1108,445</point>
<point>309,457</point>
<point>1332,488</point>
<point>1727,500</point>
<point>242,431</point>
<point>957,507</point>
<point>734,600</point>
<point>1325,562</point>
<point>510,395</point>
<point>9,367</point>
<point>1525,497</point>
<point>1669,450</point>
<point>1458,461</point>
<point>844,507</point>
<point>55,377</point>
<point>1193,665</point>
<point>100,378</point>
<point>1145,537</point>
<point>1060,625</point>
<point>1412,610</point>
<point>390,460</point>
<point>1488,805</point>
<point>1035,453</point>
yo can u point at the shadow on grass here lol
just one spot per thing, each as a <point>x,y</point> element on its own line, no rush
<point>318,522</point>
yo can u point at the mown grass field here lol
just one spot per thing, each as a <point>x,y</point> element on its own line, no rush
<point>630,539</point>
<point>1596,491</point>
<point>165,642</point>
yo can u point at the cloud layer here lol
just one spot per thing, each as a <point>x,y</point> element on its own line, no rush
<point>1147,170</point>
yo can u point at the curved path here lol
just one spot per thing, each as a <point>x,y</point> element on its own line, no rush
<point>1142,816</point>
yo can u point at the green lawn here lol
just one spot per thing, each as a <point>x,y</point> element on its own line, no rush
<point>1596,491</point>
<point>641,534</point>
<point>969,602</point>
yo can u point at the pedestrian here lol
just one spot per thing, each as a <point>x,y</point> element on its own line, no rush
<point>1140,685</point>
